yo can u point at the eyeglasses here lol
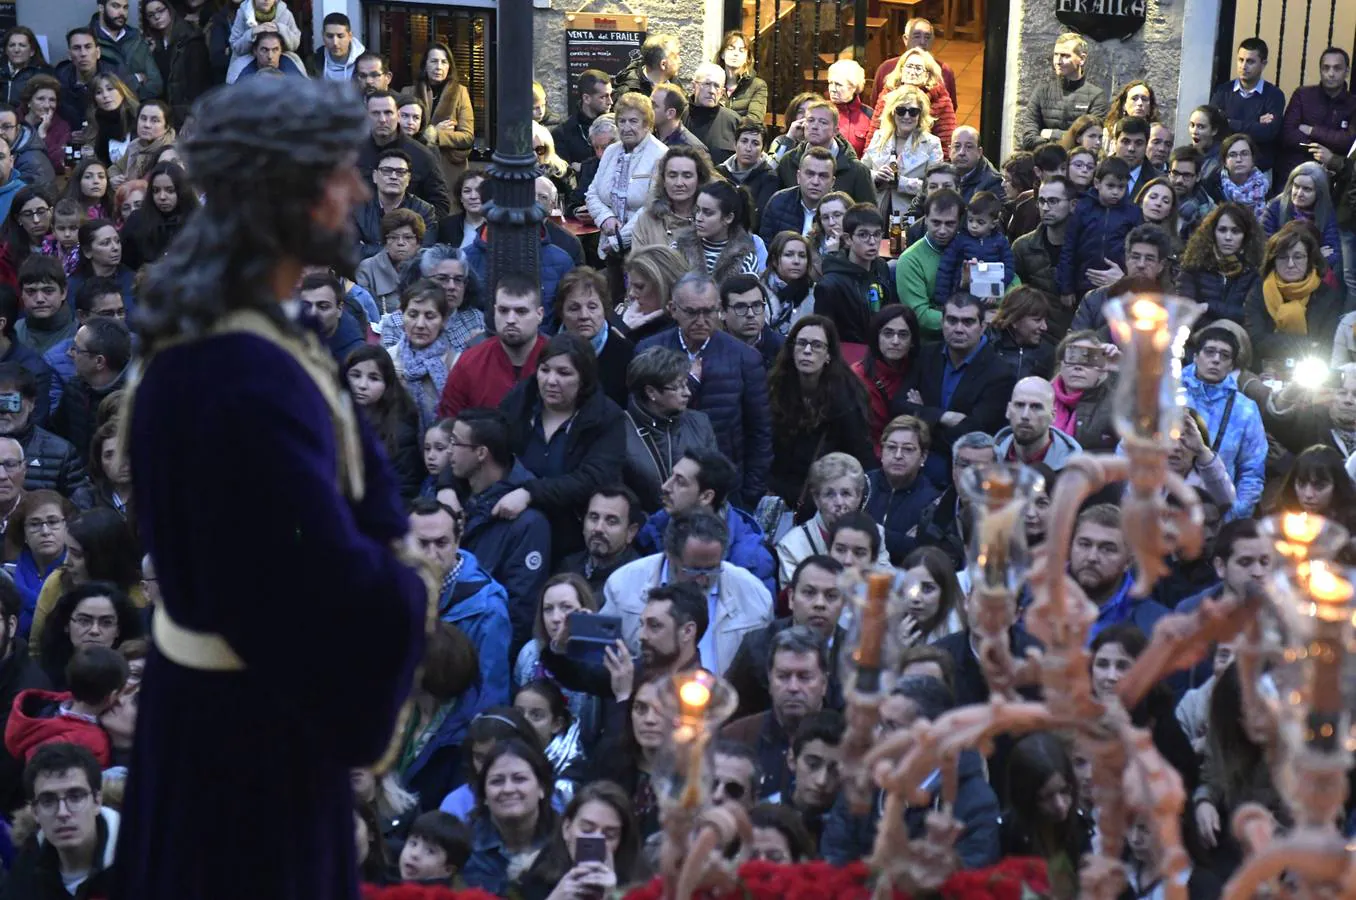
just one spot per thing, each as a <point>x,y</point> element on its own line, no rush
<point>34,214</point>
<point>868,235</point>
<point>453,442</point>
<point>1298,258</point>
<point>105,623</point>
<point>37,526</point>
<point>1217,353</point>
<point>1050,201</point>
<point>392,171</point>
<point>76,350</point>
<point>895,450</point>
<point>803,344</point>
<point>398,238</point>
<point>912,112</point>
<point>445,280</point>
<point>76,799</point>
<point>915,68</point>
<point>745,310</point>
<point>732,790</point>
<point>697,572</point>
<point>705,312</point>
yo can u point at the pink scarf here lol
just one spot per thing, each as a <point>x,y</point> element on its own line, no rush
<point>1066,404</point>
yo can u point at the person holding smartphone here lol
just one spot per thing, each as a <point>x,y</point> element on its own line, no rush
<point>594,849</point>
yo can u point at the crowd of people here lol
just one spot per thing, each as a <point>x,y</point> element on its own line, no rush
<point>723,395</point>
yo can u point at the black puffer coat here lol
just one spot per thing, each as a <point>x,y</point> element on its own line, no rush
<point>53,463</point>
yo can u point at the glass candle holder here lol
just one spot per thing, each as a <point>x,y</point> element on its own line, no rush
<point>1299,537</point>
<point>998,494</point>
<point>696,702</point>
<point>1150,330</point>
<point>873,648</point>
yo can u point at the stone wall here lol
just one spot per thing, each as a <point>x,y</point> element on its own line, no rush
<point>1154,53</point>
<point>685,18</point>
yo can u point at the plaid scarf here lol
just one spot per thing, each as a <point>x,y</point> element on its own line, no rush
<point>1251,193</point>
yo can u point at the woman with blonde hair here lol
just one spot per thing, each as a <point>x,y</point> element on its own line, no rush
<point>111,118</point>
<point>673,198</point>
<point>903,148</point>
<point>917,67</point>
<point>651,273</point>
<point>626,170</point>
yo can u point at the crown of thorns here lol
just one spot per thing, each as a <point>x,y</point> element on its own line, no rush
<point>253,128</point>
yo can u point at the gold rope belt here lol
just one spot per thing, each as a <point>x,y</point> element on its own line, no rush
<point>193,649</point>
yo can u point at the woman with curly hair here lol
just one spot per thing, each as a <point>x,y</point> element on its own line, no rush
<point>1135,99</point>
<point>818,407</point>
<point>1221,261</point>
<point>369,372</point>
<point>673,198</point>
<point>1085,132</point>
<point>93,614</point>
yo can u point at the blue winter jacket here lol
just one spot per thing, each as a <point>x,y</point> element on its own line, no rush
<point>441,767</point>
<point>478,605</point>
<point>847,838</point>
<point>994,248</point>
<point>553,261</point>
<point>1244,447</point>
<point>515,552</point>
<point>899,511</point>
<point>733,394</point>
<point>1094,236</point>
<point>746,549</point>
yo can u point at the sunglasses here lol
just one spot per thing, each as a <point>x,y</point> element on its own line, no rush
<point>732,790</point>
<point>913,111</point>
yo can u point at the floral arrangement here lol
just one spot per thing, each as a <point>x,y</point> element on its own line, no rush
<point>1016,878</point>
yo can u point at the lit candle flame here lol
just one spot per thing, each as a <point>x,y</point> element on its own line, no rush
<point>694,695</point>
<point>1301,527</point>
<point>1326,587</point>
<point>1147,315</point>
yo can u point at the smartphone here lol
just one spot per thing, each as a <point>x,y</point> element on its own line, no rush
<point>590,848</point>
<point>590,635</point>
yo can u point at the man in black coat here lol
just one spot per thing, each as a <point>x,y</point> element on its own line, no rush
<point>750,169</point>
<point>101,349</point>
<point>52,463</point>
<point>572,135</point>
<point>18,672</point>
<point>611,522</point>
<point>13,352</point>
<point>960,385</point>
<point>427,181</point>
<point>816,602</point>
<point>793,208</point>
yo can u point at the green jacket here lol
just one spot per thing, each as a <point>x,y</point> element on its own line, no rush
<point>132,54</point>
<point>915,281</point>
<point>850,175</point>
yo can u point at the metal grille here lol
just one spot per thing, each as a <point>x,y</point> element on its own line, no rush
<point>402,32</point>
<point>1296,41</point>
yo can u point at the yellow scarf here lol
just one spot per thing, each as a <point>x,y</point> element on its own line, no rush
<point>1287,303</point>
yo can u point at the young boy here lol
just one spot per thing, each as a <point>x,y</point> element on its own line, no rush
<point>1095,233</point>
<point>435,850</point>
<point>982,241</point>
<point>96,676</point>
<point>857,282</point>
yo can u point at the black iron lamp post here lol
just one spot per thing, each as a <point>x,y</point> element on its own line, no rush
<point>514,217</point>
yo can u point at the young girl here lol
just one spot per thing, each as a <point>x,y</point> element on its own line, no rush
<point>437,455</point>
<point>542,702</point>
<point>371,378</point>
<point>790,260</point>
<point>827,231</point>
<point>64,241</point>
<point>89,187</point>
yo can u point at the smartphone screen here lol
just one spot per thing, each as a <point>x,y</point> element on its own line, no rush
<point>590,848</point>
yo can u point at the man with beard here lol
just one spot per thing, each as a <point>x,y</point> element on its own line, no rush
<point>817,601</point>
<point>694,551</point>
<point>916,270</point>
<point>52,461</point>
<point>247,776</point>
<point>798,682</point>
<point>1037,253</point>
<point>611,523</point>
<point>18,672</point>
<point>127,49</point>
<point>484,374</point>
<point>1099,560</point>
<point>673,620</point>
<point>703,479</point>
<point>482,469</point>
<point>1030,437</point>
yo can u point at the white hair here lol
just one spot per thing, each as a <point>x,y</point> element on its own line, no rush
<point>710,70</point>
<point>850,71</point>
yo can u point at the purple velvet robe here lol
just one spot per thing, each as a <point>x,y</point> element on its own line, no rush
<point>239,783</point>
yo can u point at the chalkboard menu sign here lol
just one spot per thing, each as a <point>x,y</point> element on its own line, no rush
<point>606,42</point>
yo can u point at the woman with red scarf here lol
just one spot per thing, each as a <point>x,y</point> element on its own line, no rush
<point>894,338</point>
<point>1083,386</point>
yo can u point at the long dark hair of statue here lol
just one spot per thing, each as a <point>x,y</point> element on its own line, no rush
<point>263,157</point>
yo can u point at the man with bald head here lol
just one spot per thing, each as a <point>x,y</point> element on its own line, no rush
<point>1030,436</point>
<point>976,173</point>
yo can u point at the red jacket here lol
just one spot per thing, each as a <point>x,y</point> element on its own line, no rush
<point>37,719</point>
<point>482,376</point>
<point>881,386</point>
<point>854,123</point>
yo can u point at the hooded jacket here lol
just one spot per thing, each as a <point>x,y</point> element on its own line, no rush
<point>738,257</point>
<point>1061,450</point>
<point>8,190</point>
<point>747,548</point>
<point>441,767</point>
<point>478,605</point>
<point>36,874</point>
<point>36,718</point>
<point>1095,234</point>
<point>318,65</point>
<point>655,443</point>
<point>849,174</point>
<point>1244,445</point>
<point>850,295</point>
<point>761,182</point>
<point>515,552</point>
<point>130,52</point>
